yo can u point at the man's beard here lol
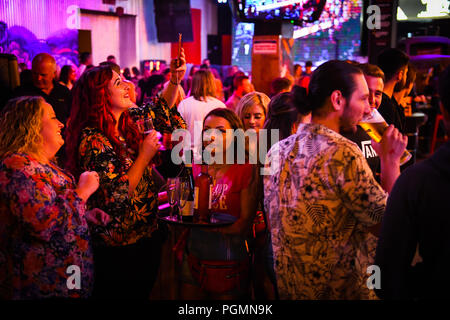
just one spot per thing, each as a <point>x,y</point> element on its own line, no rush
<point>399,86</point>
<point>345,126</point>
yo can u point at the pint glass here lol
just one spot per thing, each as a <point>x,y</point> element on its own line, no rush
<point>375,125</point>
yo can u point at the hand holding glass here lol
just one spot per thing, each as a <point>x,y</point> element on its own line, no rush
<point>145,125</point>
<point>375,125</point>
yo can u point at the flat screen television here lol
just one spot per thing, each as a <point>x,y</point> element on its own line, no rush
<point>295,12</point>
<point>417,10</point>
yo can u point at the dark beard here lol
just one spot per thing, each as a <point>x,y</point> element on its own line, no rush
<point>399,86</point>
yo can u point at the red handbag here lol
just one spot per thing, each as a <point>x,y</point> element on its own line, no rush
<point>218,276</point>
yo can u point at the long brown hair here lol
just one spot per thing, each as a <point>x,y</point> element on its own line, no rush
<point>91,107</point>
<point>203,85</point>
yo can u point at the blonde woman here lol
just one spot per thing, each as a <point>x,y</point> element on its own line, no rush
<point>43,222</point>
<point>252,109</point>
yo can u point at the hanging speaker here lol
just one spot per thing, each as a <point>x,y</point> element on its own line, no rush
<point>173,17</point>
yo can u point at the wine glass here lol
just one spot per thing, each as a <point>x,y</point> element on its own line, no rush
<point>173,194</point>
<point>217,191</point>
<point>184,190</point>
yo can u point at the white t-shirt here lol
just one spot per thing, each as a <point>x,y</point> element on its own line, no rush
<point>194,110</point>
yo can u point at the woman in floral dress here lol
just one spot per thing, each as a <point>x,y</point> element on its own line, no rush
<point>44,235</point>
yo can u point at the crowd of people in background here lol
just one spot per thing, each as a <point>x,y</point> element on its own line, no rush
<point>310,230</point>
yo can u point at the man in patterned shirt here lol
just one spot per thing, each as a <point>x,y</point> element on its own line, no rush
<point>322,198</point>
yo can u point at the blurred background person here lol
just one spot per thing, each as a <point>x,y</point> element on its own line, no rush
<point>127,74</point>
<point>188,83</point>
<point>202,100</point>
<point>280,85</point>
<point>242,86</point>
<point>68,76</point>
<point>112,59</point>
<point>85,60</point>
<point>394,64</point>
<point>297,73</point>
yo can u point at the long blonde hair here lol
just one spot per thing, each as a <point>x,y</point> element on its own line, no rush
<point>21,125</point>
<point>251,99</point>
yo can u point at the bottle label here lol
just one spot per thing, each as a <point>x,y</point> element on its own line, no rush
<point>188,209</point>
<point>210,196</point>
<point>196,198</point>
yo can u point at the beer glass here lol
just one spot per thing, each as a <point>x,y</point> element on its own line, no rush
<point>375,125</point>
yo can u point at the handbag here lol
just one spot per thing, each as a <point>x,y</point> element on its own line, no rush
<point>220,276</point>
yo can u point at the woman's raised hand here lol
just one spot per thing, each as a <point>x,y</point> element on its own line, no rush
<point>178,67</point>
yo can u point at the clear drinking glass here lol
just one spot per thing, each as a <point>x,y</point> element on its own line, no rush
<point>145,125</point>
<point>375,125</point>
<point>184,190</point>
<point>173,194</point>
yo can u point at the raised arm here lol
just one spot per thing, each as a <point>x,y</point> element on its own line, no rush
<point>178,69</point>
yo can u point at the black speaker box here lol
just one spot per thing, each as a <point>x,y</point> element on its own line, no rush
<point>173,17</point>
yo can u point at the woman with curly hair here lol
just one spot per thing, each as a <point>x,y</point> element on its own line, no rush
<point>43,221</point>
<point>102,136</point>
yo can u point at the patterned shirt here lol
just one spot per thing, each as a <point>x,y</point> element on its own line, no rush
<point>132,217</point>
<point>321,199</point>
<point>165,119</point>
<point>43,231</point>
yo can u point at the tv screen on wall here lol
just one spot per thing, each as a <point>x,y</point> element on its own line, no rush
<point>295,12</point>
<point>418,10</point>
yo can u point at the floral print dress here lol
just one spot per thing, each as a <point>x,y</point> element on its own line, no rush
<point>43,232</point>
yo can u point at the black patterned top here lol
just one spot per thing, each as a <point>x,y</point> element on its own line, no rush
<point>133,217</point>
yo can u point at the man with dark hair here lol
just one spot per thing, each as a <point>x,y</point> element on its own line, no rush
<point>306,75</point>
<point>374,77</point>
<point>308,66</point>
<point>394,64</point>
<point>207,63</point>
<point>280,85</point>
<point>413,251</point>
<point>321,197</point>
<point>112,59</point>
<point>402,92</point>
<point>242,86</point>
<point>228,82</point>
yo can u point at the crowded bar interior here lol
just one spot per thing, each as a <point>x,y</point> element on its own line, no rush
<point>213,150</point>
